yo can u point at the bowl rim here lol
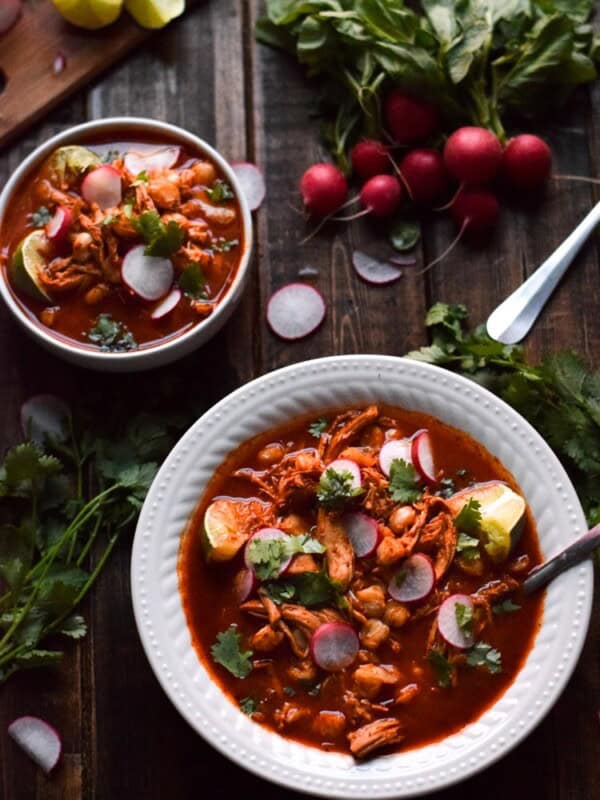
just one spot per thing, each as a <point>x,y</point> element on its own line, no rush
<point>166,349</point>
<point>580,578</point>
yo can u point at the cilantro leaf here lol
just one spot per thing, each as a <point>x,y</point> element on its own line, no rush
<point>308,589</point>
<point>404,482</point>
<point>141,178</point>
<point>192,282</point>
<point>74,627</point>
<point>220,191</point>
<point>111,335</point>
<point>317,428</point>
<point>484,655</point>
<point>161,240</point>
<point>467,547</point>
<point>336,488</point>
<point>40,217</point>
<point>267,556</point>
<point>468,518</point>
<point>464,618</point>
<point>505,607</point>
<point>226,652</point>
<point>224,245</point>
<point>248,705</point>
<point>442,667</point>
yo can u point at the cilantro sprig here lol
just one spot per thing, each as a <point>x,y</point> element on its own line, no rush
<point>404,482</point>
<point>484,655</point>
<point>40,217</point>
<point>161,240</point>
<point>220,191</point>
<point>443,669</point>
<point>308,589</point>
<point>318,427</point>
<point>267,556</point>
<point>336,488</point>
<point>226,652</point>
<point>467,547</point>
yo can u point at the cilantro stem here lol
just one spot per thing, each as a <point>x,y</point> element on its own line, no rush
<point>90,541</point>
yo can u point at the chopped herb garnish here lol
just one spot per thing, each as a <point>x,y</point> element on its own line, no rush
<point>308,589</point>
<point>484,655</point>
<point>40,217</point>
<point>267,556</point>
<point>143,177</point>
<point>404,482</point>
<point>505,607</point>
<point>448,488</point>
<point>467,547</point>
<point>400,577</point>
<point>289,691</point>
<point>161,240</point>
<point>315,691</point>
<point>108,220</point>
<point>461,473</point>
<point>442,667</point>
<point>224,245</point>
<point>317,428</point>
<point>464,618</point>
<point>468,518</point>
<point>248,705</point>
<point>109,156</point>
<point>111,335</point>
<point>220,191</point>
<point>193,283</point>
<point>226,652</point>
<point>336,488</point>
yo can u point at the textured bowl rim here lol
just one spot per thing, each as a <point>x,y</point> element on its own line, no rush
<point>578,581</point>
<point>166,350</point>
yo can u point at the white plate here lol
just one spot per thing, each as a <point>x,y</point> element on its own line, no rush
<point>350,381</point>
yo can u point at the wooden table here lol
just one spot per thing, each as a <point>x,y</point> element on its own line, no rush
<point>122,738</point>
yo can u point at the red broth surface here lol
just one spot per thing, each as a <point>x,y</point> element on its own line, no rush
<point>212,605</point>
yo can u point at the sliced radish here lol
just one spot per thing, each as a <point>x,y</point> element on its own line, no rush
<point>363,533</point>
<point>345,465</point>
<point>167,305</point>
<point>244,585</point>
<point>58,227</point>
<point>38,739</point>
<point>403,261</point>
<point>373,271</point>
<point>447,621</point>
<point>165,158</point>
<point>102,186</point>
<point>266,533</point>
<point>252,183</point>
<point>422,456</point>
<point>44,416</point>
<point>59,64</point>
<point>394,450</point>
<point>334,646</point>
<point>414,581</point>
<point>10,11</point>
<point>150,277</point>
<point>295,310</point>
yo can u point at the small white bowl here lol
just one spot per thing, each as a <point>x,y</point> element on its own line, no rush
<point>147,356</point>
<point>349,381</point>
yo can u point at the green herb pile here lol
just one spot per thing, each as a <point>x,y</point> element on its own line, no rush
<point>559,397</point>
<point>479,61</point>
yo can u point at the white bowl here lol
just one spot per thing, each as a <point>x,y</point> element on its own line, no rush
<point>338,382</point>
<point>147,356</point>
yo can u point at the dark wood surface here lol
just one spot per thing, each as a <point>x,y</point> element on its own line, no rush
<point>122,739</point>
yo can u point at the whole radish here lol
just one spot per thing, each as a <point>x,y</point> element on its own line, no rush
<point>425,176</point>
<point>381,195</point>
<point>323,189</point>
<point>409,119</point>
<point>475,211</point>
<point>369,157</point>
<point>473,155</point>
<point>527,162</point>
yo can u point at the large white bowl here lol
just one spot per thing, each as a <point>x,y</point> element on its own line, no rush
<point>147,356</point>
<point>351,381</point>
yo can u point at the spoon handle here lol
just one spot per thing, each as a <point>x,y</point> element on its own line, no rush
<point>569,557</point>
<point>513,318</point>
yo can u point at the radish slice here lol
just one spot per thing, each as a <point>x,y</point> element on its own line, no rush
<point>403,261</point>
<point>150,277</point>
<point>102,186</point>
<point>363,533</point>
<point>422,456</point>
<point>44,416</point>
<point>334,646</point>
<point>244,585</point>
<point>60,224</point>
<point>395,449</point>
<point>414,580</point>
<point>266,533</point>
<point>167,305</point>
<point>447,622</point>
<point>252,183</point>
<point>165,158</point>
<point>10,11</point>
<point>295,310</point>
<point>38,739</point>
<point>345,465</point>
<point>59,64</point>
<point>373,271</point>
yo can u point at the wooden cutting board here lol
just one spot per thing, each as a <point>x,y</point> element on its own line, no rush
<point>28,52</point>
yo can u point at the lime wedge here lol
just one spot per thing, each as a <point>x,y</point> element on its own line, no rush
<point>154,13</point>
<point>222,534</point>
<point>67,164</point>
<point>90,14</point>
<point>496,540</point>
<point>28,260</point>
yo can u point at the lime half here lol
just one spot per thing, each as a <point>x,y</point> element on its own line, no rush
<point>28,261</point>
<point>154,13</point>
<point>90,14</point>
<point>222,535</point>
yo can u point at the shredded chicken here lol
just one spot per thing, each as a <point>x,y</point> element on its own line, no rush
<point>374,736</point>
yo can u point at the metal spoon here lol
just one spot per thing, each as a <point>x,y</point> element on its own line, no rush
<point>569,557</point>
<point>513,318</point>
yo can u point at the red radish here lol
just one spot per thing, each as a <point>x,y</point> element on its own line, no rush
<point>323,188</point>
<point>58,227</point>
<point>473,155</point>
<point>10,11</point>
<point>395,449</point>
<point>244,585</point>
<point>167,305</point>
<point>102,186</point>
<point>363,533</point>
<point>381,195</point>
<point>150,277</point>
<point>345,465</point>
<point>456,635</point>
<point>334,646</point>
<point>403,261</point>
<point>475,211</point>
<point>295,310</point>
<point>251,182</point>
<point>370,157</point>
<point>266,533</point>
<point>44,416</point>
<point>59,64</point>
<point>414,581</point>
<point>422,456</point>
<point>38,739</point>
<point>425,176</point>
<point>409,119</point>
<point>373,271</point>
<point>527,162</point>
<point>165,158</point>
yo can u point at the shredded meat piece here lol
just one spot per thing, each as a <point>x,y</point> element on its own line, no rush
<point>288,714</point>
<point>217,215</point>
<point>407,693</point>
<point>302,563</point>
<point>375,735</point>
<point>396,614</point>
<point>303,672</point>
<point>266,639</point>
<point>341,437</point>
<point>361,456</point>
<point>339,554</point>
<point>164,192</point>
<point>373,634</point>
<point>369,679</point>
